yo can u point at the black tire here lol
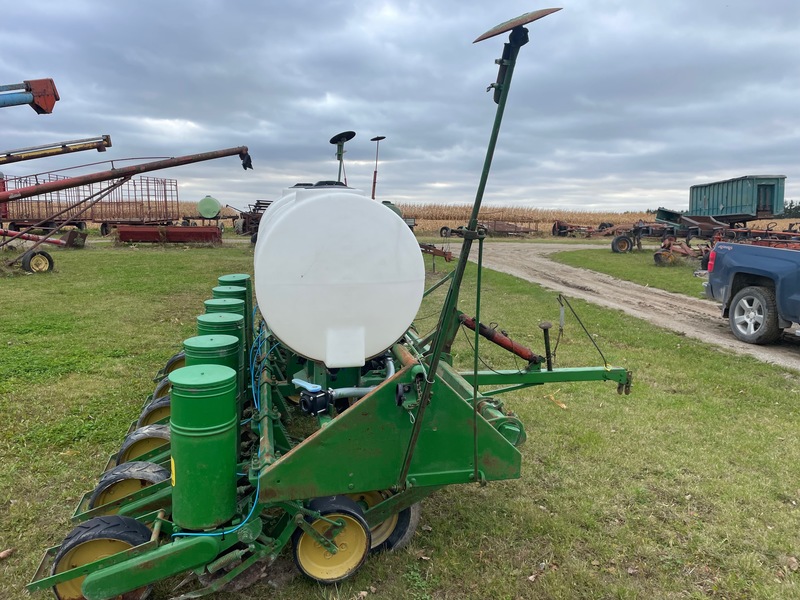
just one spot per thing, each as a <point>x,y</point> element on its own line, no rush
<point>194,224</point>
<point>13,227</point>
<point>81,225</point>
<point>163,388</point>
<point>621,244</point>
<point>664,258</point>
<point>125,479</point>
<point>356,533</point>
<point>444,232</point>
<point>395,532</point>
<point>254,238</point>
<point>141,441</point>
<point>105,229</point>
<point>407,523</point>
<point>37,261</point>
<point>155,411</point>
<point>753,315</point>
<point>95,539</point>
<point>176,361</point>
<point>221,227</point>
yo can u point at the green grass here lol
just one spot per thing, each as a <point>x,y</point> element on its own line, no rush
<point>687,488</point>
<point>638,267</point>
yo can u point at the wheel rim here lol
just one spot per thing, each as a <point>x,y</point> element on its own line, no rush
<point>80,555</point>
<point>162,389</point>
<point>155,415</point>
<point>381,531</point>
<point>39,263</point>
<point>141,447</point>
<point>749,315</point>
<point>320,564</point>
<point>120,489</point>
<point>176,364</point>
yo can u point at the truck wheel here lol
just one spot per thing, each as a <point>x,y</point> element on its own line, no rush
<point>621,244</point>
<point>753,315</point>
<point>444,232</point>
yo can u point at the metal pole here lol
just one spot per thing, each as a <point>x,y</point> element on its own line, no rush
<point>377,140</point>
<point>448,321</point>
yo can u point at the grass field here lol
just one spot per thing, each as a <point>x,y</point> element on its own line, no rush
<point>687,488</point>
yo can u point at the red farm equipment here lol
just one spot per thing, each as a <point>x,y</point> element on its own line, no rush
<point>85,195</point>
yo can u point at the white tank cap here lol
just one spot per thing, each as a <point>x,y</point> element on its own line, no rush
<point>338,277</point>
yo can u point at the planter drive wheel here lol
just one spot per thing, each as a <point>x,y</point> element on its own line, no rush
<point>95,539</point>
<point>37,261</point>
<point>126,479</point>
<point>353,540</point>
<point>753,315</point>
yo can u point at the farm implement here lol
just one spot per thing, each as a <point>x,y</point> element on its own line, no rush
<point>314,422</point>
<point>48,210</point>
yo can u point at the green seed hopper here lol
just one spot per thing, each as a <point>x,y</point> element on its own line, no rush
<point>297,427</point>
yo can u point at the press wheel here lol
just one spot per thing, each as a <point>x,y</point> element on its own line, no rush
<point>125,479</point>
<point>95,539</point>
<point>156,410</point>
<point>396,531</point>
<point>142,441</point>
<point>353,541</point>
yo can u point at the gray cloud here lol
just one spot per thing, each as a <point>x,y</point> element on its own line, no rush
<point>614,105</point>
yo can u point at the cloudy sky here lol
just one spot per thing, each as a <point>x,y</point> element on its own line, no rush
<point>615,104</point>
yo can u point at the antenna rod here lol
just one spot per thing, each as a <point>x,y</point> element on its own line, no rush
<point>377,139</point>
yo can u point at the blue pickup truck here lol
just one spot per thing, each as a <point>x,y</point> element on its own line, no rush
<point>759,288</point>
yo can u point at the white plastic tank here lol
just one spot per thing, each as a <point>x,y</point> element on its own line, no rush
<point>338,276</point>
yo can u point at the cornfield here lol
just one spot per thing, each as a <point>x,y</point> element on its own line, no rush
<point>432,217</point>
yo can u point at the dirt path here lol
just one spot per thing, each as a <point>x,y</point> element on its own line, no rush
<point>693,317</point>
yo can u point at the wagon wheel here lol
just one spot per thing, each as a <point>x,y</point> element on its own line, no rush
<point>93,540</point>
<point>353,542</point>
<point>105,229</point>
<point>395,532</point>
<point>141,441</point>
<point>125,479</point>
<point>621,244</point>
<point>37,261</point>
<point>155,411</point>
<point>444,232</point>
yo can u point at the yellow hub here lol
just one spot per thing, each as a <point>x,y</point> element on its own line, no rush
<point>320,564</point>
<point>39,264</point>
<point>120,489</point>
<point>141,447</point>
<point>81,555</point>
<point>156,415</point>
